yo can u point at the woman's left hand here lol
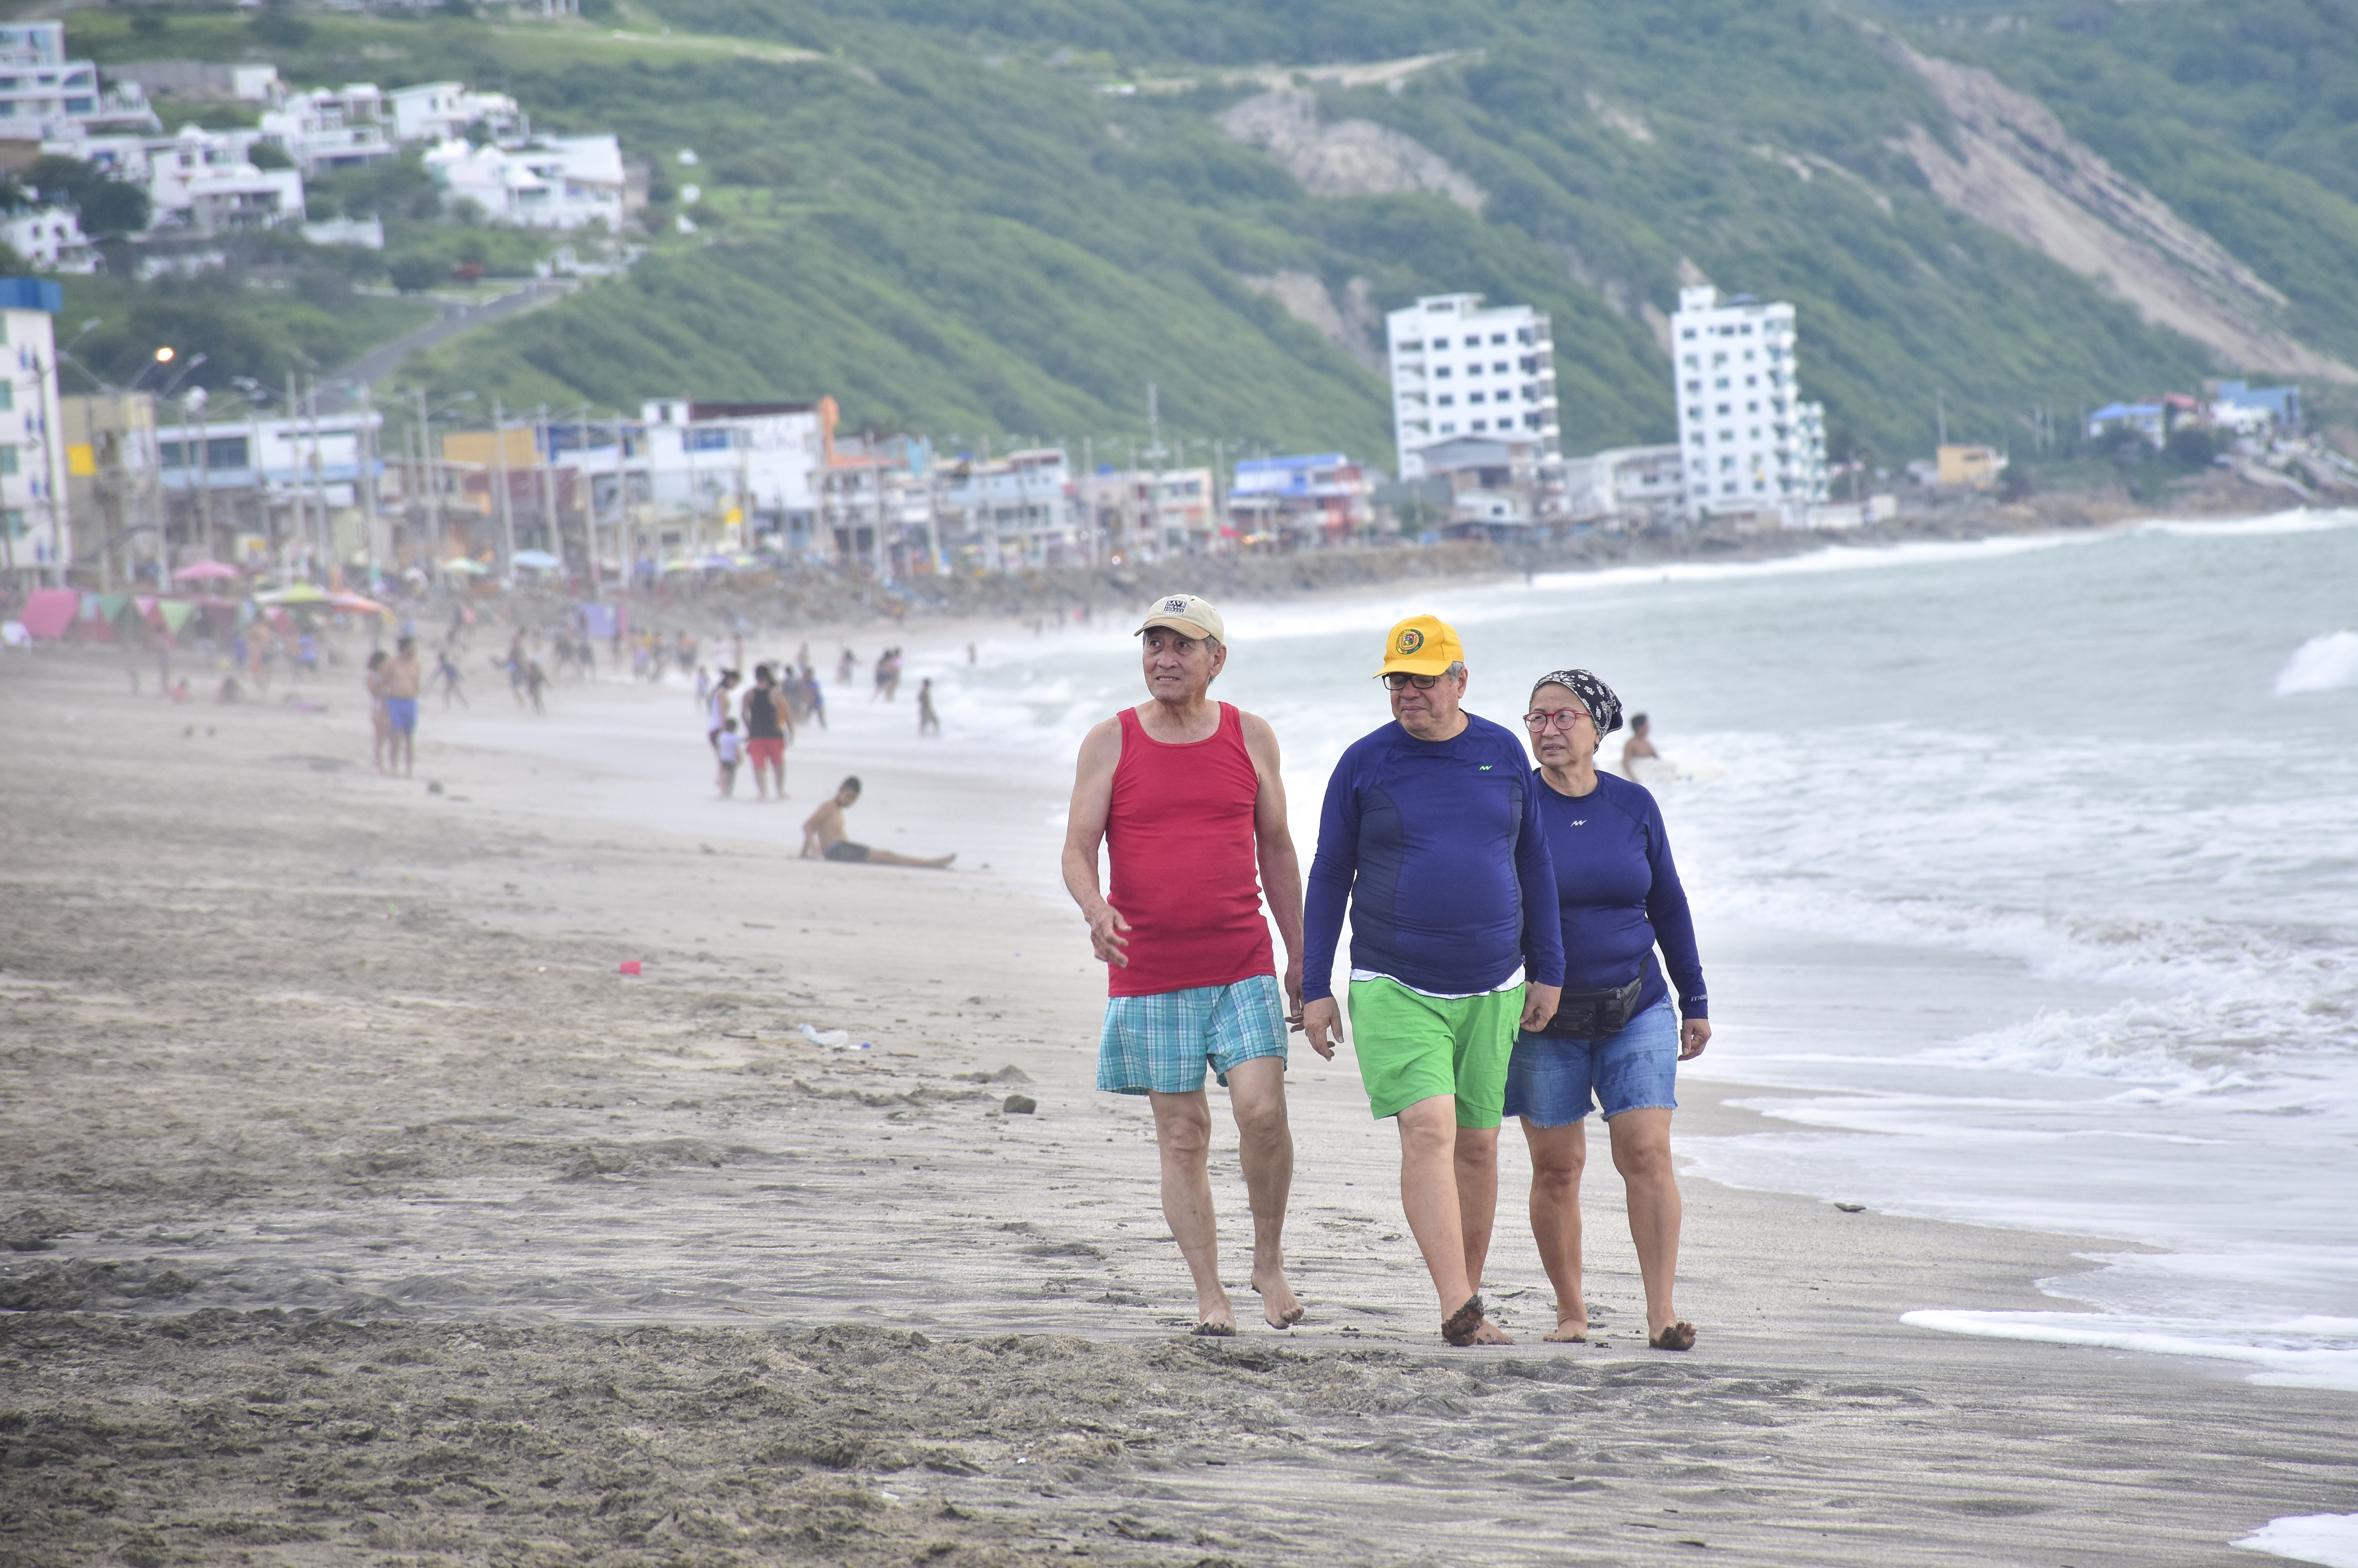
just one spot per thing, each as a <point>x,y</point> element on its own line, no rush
<point>1693,1035</point>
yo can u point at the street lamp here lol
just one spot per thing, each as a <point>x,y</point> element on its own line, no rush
<point>162,356</point>
<point>181,375</point>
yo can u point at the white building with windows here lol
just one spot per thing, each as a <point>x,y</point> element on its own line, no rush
<point>1461,370</point>
<point>1751,444</point>
<point>332,128</point>
<point>549,182</point>
<point>50,239</point>
<point>438,110</point>
<point>1015,511</point>
<point>36,534</point>
<point>44,94</point>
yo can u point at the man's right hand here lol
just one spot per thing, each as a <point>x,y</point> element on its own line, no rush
<point>1105,934</point>
<point>1322,1024</point>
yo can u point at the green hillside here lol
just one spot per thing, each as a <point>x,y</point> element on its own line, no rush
<point>925,206</point>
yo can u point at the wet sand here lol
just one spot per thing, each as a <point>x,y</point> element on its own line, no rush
<point>362,1212</point>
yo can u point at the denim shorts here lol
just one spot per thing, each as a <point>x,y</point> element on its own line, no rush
<point>1162,1042</point>
<point>1552,1080</point>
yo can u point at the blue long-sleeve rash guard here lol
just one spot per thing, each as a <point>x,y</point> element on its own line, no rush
<point>1618,893</point>
<point>1437,847</point>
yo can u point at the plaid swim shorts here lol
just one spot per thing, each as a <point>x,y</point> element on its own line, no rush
<point>1162,1042</point>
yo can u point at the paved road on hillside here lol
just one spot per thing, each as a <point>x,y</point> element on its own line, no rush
<point>386,358</point>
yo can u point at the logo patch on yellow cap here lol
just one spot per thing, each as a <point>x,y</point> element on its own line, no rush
<point>1409,640</point>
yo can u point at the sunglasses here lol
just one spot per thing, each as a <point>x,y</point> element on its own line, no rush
<point>1400,678</point>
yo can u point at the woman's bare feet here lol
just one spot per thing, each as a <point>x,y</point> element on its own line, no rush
<point>1679,1336</point>
<point>1279,1304</point>
<point>1570,1331</point>
<point>1215,1320</point>
<point>1467,1325</point>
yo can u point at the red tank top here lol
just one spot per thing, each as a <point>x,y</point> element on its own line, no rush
<point>1185,866</point>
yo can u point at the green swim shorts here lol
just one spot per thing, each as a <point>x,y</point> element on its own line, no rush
<point>1412,1046</point>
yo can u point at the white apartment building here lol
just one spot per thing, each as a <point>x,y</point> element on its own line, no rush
<point>1144,514</point>
<point>44,94</point>
<point>1460,370</point>
<point>200,182</point>
<point>36,534</point>
<point>51,238</point>
<point>691,477</point>
<point>439,111</point>
<point>1012,511</point>
<point>1750,443</point>
<point>549,182</point>
<point>332,129</point>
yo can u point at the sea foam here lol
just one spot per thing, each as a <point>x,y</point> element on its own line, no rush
<point>2324,662</point>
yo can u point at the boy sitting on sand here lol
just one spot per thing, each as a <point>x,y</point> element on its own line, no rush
<point>824,835</point>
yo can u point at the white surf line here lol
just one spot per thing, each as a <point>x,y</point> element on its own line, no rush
<point>2328,1539</point>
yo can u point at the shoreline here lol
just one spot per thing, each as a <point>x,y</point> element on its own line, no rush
<point>292,1035</point>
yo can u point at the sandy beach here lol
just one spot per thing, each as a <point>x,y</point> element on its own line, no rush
<point>363,1211</point>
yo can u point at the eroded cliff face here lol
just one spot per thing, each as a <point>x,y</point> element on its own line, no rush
<point>2017,170</point>
<point>1344,157</point>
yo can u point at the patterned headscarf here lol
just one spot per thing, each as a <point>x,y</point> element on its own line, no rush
<point>1594,694</point>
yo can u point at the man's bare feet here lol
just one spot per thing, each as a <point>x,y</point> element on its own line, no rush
<point>1569,1331</point>
<point>1215,1319</point>
<point>1279,1304</point>
<point>1679,1336</point>
<point>1467,1325</point>
<point>1491,1333</point>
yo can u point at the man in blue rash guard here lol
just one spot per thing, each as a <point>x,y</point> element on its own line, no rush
<point>1429,833</point>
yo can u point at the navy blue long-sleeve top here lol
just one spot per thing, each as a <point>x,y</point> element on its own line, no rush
<point>1438,847</point>
<point>1619,894</point>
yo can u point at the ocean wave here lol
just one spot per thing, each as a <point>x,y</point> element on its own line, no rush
<point>2325,663</point>
<point>2299,520</point>
<point>2305,1353</point>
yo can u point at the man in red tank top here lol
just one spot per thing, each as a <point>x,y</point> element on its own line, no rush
<point>1183,794</point>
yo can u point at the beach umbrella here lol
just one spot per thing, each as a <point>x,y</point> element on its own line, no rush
<point>301,593</point>
<point>462,566</point>
<point>204,571</point>
<point>356,601</point>
<point>538,560</point>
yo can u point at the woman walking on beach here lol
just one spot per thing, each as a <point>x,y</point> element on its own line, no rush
<point>1614,1042</point>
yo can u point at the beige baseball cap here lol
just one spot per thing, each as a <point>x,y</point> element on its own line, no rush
<point>1185,612</point>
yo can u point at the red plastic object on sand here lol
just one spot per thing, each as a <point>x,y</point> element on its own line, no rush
<point>630,966</point>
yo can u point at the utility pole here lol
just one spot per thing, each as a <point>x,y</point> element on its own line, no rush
<point>1940,418</point>
<point>507,513</point>
<point>433,478</point>
<point>298,525</point>
<point>1154,454</point>
<point>543,481</point>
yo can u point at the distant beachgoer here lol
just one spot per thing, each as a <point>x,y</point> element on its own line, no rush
<point>180,691</point>
<point>380,724</point>
<point>969,653</point>
<point>768,723</point>
<point>446,670</point>
<point>824,839</point>
<point>928,721</point>
<point>814,696</point>
<point>1614,1040</point>
<point>716,707</point>
<point>1431,833</point>
<point>536,684</point>
<point>402,677</point>
<point>730,748</point>
<point>884,679</point>
<point>1637,745</point>
<point>1186,795</point>
<point>517,661</point>
<point>844,668</point>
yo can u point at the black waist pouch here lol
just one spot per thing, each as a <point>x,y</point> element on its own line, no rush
<point>1592,1015</point>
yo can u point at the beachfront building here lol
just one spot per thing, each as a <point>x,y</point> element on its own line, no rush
<point>291,494</point>
<point>684,481</point>
<point>1297,502</point>
<point>49,239</point>
<point>2249,409</point>
<point>199,181</point>
<point>1147,513</point>
<point>1629,484</point>
<point>1458,369</point>
<point>548,182</point>
<point>44,94</point>
<point>1016,511</point>
<point>1752,445</point>
<point>876,505</point>
<point>36,542</point>
<point>113,482</point>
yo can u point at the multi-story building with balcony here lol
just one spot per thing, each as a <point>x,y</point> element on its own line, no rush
<point>44,94</point>
<point>36,543</point>
<point>1751,444</point>
<point>1460,370</point>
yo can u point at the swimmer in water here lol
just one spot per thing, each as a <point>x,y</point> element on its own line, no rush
<point>1636,746</point>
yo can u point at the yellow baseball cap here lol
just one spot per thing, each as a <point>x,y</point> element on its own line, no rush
<point>1421,645</point>
<point>1185,612</point>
